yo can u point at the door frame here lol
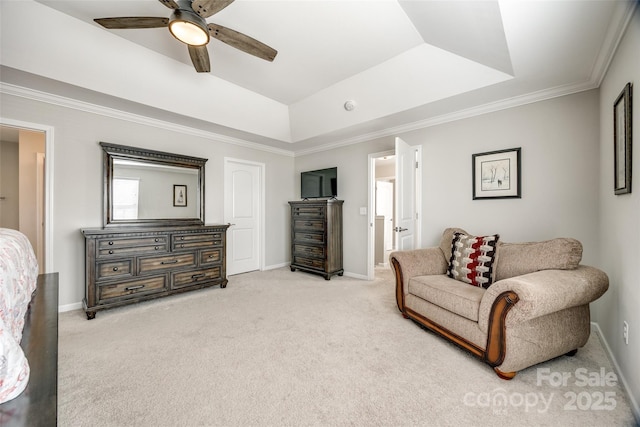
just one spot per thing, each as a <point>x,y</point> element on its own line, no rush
<point>48,183</point>
<point>372,206</point>
<point>371,238</point>
<point>261,207</point>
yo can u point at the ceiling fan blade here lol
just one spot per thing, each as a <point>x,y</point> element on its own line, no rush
<point>200,58</point>
<point>206,8</point>
<point>132,22</point>
<point>171,4</point>
<point>242,41</point>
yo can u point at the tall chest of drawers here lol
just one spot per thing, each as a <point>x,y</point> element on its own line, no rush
<point>125,266</point>
<point>316,236</point>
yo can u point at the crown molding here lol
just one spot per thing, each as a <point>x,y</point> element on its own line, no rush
<point>491,107</point>
<point>61,101</point>
<point>622,17</point>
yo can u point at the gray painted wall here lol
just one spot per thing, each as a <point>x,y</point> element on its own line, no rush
<point>619,218</point>
<point>77,197</point>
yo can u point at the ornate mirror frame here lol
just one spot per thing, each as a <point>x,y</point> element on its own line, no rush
<point>115,152</point>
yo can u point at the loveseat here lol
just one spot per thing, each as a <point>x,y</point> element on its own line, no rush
<point>511,304</point>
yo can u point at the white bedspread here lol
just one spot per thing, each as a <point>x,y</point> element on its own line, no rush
<point>18,276</point>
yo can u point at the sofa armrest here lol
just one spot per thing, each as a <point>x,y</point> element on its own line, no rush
<point>416,262</point>
<point>544,292</point>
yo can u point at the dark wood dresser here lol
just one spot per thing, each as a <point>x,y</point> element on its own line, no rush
<point>125,265</point>
<point>316,236</point>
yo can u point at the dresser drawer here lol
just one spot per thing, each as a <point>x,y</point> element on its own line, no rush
<point>210,256</point>
<point>113,269</point>
<point>132,288</point>
<point>308,250</point>
<point>308,224</point>
<point>309,211</point>
<point>129,246</point>
<point>195,277</point>
<point>146,265</point>
<point>195,241</point>
<point>308,262</point>
<point>304,237</point>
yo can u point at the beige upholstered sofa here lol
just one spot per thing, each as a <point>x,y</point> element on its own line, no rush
<point>536,309</point>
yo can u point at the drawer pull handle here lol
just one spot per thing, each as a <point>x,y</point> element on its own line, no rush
<point>157,240</point>
<point>198,276</point>
<point>308,224</point>
<point>115,268</point>
<point>133,288</point>
<point>212,256</point>
<point>175,261</point>
<point>182,246</point>
<point>110,243</point>
<point>156,248</point>
<point>110,252</point>
<point>182,238</point>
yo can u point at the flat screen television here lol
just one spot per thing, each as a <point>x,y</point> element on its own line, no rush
<point>319,183</point>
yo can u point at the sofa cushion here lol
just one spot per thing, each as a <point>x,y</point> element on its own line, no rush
<point>452,295</point>
<point>516,259</point>
<point>472,259</point>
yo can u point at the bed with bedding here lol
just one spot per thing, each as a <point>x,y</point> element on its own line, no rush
<point>18,278</point>
<point>28,335</point>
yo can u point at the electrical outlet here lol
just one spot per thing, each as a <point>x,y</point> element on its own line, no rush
<point>625,332</point>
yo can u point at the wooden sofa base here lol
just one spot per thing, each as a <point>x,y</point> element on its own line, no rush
<point>495,350</point>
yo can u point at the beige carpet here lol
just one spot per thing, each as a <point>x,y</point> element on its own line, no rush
<point>281,348</point>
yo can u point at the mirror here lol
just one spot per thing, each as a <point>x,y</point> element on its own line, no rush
<point>151,188</point>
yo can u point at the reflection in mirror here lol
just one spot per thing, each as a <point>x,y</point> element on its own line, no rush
<point>148,188</point>
<point>146,191</point>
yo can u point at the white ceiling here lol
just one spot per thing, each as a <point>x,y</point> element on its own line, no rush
<point>405,63</point>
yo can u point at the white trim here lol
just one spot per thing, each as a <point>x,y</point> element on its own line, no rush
<point>36,95</point>
<point>634,403</point>
<point>48,189</point>
<point>356,276</point>
<point>490,107</point>
<point>612,40</point>
<point>276,266</point>
<point>69,307</point>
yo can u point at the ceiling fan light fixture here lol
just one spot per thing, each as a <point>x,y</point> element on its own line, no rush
<point>189,28</point>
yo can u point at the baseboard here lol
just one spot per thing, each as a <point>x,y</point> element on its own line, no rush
<point>276,266</point>
<point>69,307</point>
<point>634,403</point>
<point>355,276</point>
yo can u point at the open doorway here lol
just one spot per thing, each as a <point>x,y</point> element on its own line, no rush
<point>395,203</point>
<point>382,176</point>
<point>385,180</point>
<point>24,184</point>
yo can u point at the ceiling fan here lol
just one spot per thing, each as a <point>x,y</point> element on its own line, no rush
<point>187,24</point>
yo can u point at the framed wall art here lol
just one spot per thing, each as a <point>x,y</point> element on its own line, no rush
<point>497,174</point>
<point>179,195</point>
<point>622,141</point>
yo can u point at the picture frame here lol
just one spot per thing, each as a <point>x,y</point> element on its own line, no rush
<point>622,141</point>
<point>497,174</point>
<point>179,195</point>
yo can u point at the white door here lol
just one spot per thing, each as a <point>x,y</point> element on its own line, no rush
<point>243,208</point>
<point>407,196</point>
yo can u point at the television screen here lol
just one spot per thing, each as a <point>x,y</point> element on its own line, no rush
<point>319,183</point>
